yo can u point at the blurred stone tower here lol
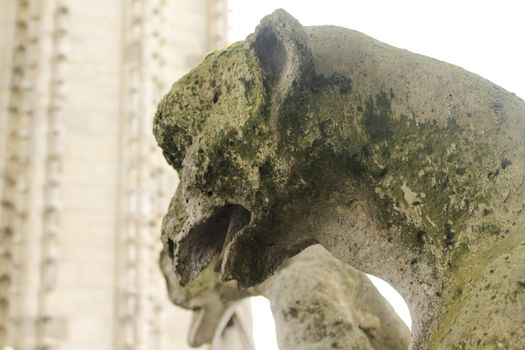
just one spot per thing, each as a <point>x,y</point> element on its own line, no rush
<point>84,186</point>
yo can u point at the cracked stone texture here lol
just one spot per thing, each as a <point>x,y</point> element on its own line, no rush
<point>317,301</point>
<point>400,165</point>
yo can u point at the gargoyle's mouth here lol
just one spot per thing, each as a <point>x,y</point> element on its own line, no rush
<point>206,239</point>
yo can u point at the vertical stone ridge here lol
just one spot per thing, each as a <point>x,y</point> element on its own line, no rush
<point>53,160</point>
<point>15,177</point>
<point>137,305</point>
<point>128,318</point>
<point>155,185</point>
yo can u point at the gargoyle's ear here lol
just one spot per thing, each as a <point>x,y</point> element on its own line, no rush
<point>283,50</point>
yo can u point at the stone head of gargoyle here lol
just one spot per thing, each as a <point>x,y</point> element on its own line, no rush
<point>228,127</point>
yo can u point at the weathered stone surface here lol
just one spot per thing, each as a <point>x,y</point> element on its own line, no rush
<point>318,303</point>
<point>398,164</point>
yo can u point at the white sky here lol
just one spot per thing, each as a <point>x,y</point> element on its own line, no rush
<point>485,37</point>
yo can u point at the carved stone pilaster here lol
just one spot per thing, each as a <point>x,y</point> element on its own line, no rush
<point>14,197</point>
<point>53,160</point>
<point>134,212</point>
<point>30,196</point>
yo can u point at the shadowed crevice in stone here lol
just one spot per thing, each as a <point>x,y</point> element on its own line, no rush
<point>208,238</point>
<point>171,248</point>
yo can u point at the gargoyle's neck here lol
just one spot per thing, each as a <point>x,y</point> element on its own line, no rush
<point>351,224</point>
<point>349,227</point>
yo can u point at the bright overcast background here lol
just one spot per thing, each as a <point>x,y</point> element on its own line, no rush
<point>484,37</point>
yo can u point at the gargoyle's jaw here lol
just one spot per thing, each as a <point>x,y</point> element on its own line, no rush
<point>249,246</point>
<point>258,250</point>
<point>206,239</point>
<point>251,255</point>
<point>204,323</point>
<point>241,260</point>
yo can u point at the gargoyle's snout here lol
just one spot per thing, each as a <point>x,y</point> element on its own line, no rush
<point>206,239</point>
